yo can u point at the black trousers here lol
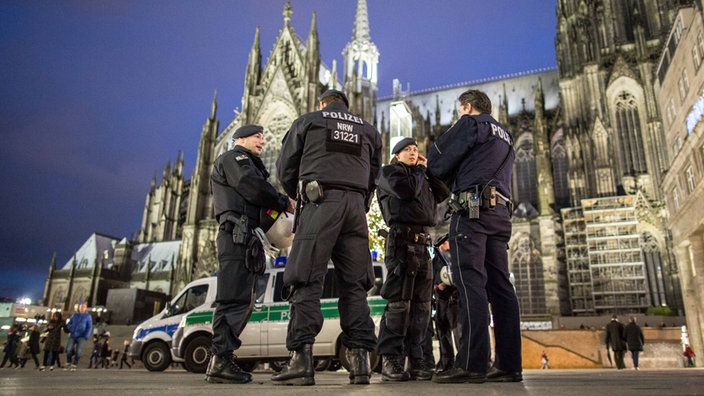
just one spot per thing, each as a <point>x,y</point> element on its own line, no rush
<point>235,296</point>
<point>480,272</point>
<point>446,329</point>
<point>334,229</point>
<point>405,320</point>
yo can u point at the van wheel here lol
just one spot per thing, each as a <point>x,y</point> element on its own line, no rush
<point>277,365</point>
<point>342,355</point>
<point>197,354</point>
<point>156,356</point>
<point>334,365</point>
<point>247,365</point>
<point>322,364</point>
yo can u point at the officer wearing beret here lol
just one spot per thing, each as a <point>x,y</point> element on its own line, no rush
<point>408,197</point>
<point>475,156</point>
<point>329,160</point>
<point>240,190</point>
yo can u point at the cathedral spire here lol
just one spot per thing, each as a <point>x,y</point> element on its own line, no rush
<point>214,106</point>
<point>539,100</point>
<point>360,32</point>
<point>313,63</point>
<point>361,62</point>
<point>288,11</point>
<point>179,160</point>
<point>252,76</point>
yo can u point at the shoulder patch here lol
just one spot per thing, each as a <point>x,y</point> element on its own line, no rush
<point>241,157</point>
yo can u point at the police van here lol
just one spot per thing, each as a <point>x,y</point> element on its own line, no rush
<point>151,340</point>
<point>264,337</point>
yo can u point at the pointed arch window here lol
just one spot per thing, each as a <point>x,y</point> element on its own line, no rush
<point>527,189</point>
<point>630,135</point>
<point>653,269</point>
<point>559,173</point>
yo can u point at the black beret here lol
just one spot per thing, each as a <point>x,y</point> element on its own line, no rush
<point>247,130</point>
<point>402,144</point>
<point>334,92</point>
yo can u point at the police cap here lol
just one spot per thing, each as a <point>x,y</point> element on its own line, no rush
<point>336,93</point>
<point>247,130</point>
<point>402,144</point>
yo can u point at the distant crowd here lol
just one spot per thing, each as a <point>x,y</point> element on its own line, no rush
<point>26,342</point>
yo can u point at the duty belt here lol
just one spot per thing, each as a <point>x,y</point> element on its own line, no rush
<point>466,196</point>
<point>408,235</point>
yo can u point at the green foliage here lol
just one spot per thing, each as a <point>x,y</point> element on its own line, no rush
<point>661,311</point>
<point>376,222</point>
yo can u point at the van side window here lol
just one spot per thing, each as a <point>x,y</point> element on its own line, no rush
<point>191,298</point>
<point>378,281</point>
<point>261,287</point>
<point>278,286</point>
<point>330,289</point>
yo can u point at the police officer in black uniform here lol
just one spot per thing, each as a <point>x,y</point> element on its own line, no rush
<point>329,160</point>
<point>446,306</point>
<point>476,156</point>
<point>408,198</point>
<point>240,192</point>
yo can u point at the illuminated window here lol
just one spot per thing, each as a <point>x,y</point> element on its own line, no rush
<point>676,200</point>
<point>685,80</point>
<point>691,181</point>
<point>696,57</point>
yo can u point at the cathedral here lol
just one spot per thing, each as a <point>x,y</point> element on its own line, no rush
<point>590,224</point>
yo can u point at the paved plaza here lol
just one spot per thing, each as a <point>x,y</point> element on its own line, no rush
<point>174,382</point>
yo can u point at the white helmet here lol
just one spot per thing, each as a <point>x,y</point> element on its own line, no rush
<point>279,235</point>
<point>446,275</point>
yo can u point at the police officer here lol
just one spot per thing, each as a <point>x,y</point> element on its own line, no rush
<point>408,198</point>
<point>330,160</point>
<point>446,298</point>
<point>240,192</point>
<point>476,156</point>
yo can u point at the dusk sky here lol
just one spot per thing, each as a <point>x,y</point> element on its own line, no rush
<point>96,96</point>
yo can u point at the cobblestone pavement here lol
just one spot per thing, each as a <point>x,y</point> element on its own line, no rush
<point>175,382</point>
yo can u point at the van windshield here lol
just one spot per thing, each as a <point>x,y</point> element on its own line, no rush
<point>191,298</point>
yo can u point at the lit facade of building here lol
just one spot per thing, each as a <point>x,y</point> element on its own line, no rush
<point>680,90</point>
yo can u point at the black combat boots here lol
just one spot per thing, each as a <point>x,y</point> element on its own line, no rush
<point>298,370</point>
<point>421,370</point>
<point>223,370</point>
<point>392,368</point>
<point>359,365</point>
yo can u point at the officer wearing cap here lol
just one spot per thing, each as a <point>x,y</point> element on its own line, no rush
<point>475,156</point>
<point>408,197</point>
<point>240,191</point>
<point>329,160</point>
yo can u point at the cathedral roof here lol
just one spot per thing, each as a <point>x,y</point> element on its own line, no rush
<point>87,254</point>
<point>157,256</point>
<point>519,88</point>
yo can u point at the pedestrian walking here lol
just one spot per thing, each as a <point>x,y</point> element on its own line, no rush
<point>616,340</point>
<point>79,328</point>
<point>634,340</point>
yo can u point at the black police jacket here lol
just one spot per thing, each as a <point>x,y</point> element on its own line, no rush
<point>470,152</point>
<point>332,146</point>
<point>239,184</point>
<point>406,196</point>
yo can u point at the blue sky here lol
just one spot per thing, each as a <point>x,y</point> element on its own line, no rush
<point>96,96</point>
